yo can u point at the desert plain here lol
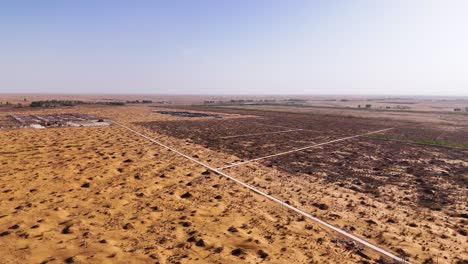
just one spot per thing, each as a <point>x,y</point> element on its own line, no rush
<point>105,194</point>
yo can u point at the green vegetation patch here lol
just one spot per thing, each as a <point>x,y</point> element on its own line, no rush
<point>426,141</point>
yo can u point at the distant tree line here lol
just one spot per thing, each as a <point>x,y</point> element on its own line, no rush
<point>459,109</point>
<point>54,103</point>
<point>140,102</point>
<point>60,103</point>
<point>111,103</point>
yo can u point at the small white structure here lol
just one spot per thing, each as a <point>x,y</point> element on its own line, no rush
<point>37,126</point>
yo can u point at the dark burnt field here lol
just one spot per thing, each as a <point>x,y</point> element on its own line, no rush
<point>434,177</point>
<point>261,130</point>
<point>243,137</point>
<point>404,130</point>
<point>429,176</point>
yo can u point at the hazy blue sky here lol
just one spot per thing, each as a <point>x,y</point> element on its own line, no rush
<point>242,46</point>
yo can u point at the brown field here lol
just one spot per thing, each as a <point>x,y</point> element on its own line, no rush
<point>106,195</point>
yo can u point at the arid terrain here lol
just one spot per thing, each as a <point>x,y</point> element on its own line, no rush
<point>109,195</point>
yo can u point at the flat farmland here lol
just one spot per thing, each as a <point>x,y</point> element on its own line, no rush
<point>435,175</point>
<point>244,138</point>
<point>406,126</point>
<point>324,123</point>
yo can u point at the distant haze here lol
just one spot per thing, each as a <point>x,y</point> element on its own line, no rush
<point>416,47</point>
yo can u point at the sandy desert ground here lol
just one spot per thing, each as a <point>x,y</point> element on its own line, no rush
<point>106,195</point>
